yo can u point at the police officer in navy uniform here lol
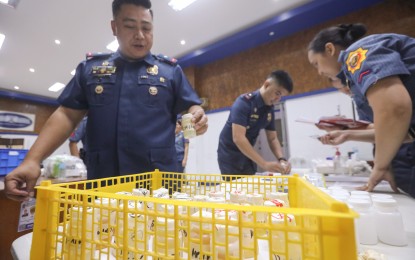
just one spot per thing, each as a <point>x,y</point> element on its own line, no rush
<point>382,68</point>
<point>132,98</point>
<point>249,114</point>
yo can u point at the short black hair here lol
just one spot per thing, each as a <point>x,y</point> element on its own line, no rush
<point>283,79</point>
<point>116,5</point>
<point>343,35</point>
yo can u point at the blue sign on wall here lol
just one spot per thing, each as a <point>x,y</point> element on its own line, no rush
<point>16,121</point>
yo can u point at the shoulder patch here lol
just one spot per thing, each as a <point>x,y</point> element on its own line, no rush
<point>166,59</point>
<point>94,55</point>
<point>355,59</point>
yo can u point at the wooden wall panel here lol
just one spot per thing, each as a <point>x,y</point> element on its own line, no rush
<point>222,81</point>
<point>42,112</point>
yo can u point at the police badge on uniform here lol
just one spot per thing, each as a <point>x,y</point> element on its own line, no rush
<point>99,89</point>
<point>355,59</point>
<point>153,91</point>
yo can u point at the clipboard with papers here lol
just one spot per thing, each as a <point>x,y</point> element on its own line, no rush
<point>336,121</point>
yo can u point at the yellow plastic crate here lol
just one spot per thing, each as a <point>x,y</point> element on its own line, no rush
<point>95,220</point>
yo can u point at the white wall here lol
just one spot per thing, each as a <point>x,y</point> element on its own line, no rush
<point>202,156</point>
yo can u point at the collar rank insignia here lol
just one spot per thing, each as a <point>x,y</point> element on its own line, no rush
<point>101,71</point>
<point>154,70</point>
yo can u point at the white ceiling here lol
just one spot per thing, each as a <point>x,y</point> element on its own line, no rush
<point>84,26</point>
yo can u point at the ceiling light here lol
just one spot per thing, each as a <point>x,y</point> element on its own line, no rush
<point>2,37</point>
<point>182,42</point>
<point>73,73</point>
<point>16,87</point>
<point>113,46</point>
<point>179,5</point>
<point>32,70</point>
<point>11,3</point>
<point>56,87</point>
<point>57,42</point>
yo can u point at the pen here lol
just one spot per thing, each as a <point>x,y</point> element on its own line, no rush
<point>315,137</point>
<point>354,113</point>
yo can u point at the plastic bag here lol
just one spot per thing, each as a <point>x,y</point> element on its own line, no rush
<point>64,166</point>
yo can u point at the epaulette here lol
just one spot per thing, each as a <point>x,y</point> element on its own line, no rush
<point>248,96</point>
<point>94,55</point>
<point>166,59</point>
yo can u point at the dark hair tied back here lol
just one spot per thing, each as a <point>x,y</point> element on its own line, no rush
<point>343,35</point>
<point>352,32</point>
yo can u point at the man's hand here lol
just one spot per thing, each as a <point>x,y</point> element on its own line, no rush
<point>20,183</point>
<point>377,176</point>
<point>283,167</point>
<point>286,166</point>
<point>200,120</point>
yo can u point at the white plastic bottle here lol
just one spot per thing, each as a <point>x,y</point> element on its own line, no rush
<point>355,154</point>
<point>105,218</point>
<point>365,224</point>
<point>165,237</point>
<point>187,126</point>
<point>134,227</point>
<point>389,223</point>
<point>75,234</point>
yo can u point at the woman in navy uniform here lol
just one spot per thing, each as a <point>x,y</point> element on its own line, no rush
<point>132,98</point>
<point>249,114</point>
<point>401,163</point>
<point>382,68</point>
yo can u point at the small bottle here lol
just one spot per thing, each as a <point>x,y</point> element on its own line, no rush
<point>389,223</point>
<point>105,218</point>
<point>77,239</point>
<point>336,161</point>
<point>355,154</point>
<point>134,226</point>
<point>381,196</point>
<point>200,236</point>
<point>365,224</point>
<point>187,126</point>
<point>165,237</point>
